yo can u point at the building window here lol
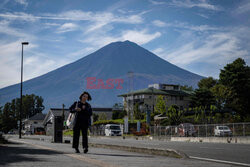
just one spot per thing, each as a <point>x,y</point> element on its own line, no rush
<point>181,97</point>
<point>149,97</point>
<point>35,122</point>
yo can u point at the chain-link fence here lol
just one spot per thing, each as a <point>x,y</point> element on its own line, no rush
<point>206,130</point>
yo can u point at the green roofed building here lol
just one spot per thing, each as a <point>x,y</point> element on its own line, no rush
<point>147,97</point>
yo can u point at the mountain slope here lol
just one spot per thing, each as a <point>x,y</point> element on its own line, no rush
<point>65,84</point>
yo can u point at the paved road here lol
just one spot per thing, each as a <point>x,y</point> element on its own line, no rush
<point>228,152</point>
<point>42,153</point>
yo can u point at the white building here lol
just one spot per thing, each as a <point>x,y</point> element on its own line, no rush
<point>33,123</point>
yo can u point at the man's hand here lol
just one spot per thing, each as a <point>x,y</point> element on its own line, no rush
<point>78,109</point>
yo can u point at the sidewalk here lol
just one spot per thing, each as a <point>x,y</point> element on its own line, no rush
<point>27,152</point>
<point>125,145</point>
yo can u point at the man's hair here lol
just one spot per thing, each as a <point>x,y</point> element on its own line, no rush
<point>89,97</point>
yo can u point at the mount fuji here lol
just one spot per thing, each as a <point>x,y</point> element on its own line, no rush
<point>113,61</point>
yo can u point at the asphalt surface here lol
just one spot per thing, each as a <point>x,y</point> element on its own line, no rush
<point>27,152</point>
<point>228,152</point>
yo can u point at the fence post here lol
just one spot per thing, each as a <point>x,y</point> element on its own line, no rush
<point>243,129</point>
<point>233,129</point>
<point>206,130</point>
<point>171,131</point>
<point>198,130</point>
<point>165,132</point>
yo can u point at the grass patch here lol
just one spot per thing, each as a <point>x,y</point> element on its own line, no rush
<point>68,133</point>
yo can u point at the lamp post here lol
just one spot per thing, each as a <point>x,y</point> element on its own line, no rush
<point>21,94</point>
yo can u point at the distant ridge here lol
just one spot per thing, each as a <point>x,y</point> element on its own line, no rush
<point>65,84</point>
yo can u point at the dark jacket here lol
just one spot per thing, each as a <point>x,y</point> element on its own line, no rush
<point>83,117</point>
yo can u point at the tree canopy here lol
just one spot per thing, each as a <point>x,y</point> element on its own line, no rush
<point>10,112</point>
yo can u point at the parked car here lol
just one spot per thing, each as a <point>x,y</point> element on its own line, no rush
<point>113,130</point>
<point>222,131</point>
<point>39,131</point>
<point>186,130</point>
<point>11,132</point>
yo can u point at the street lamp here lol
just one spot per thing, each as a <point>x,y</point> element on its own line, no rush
<point>21,94</point>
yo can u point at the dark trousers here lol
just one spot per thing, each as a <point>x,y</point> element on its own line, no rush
<point>76,135</point>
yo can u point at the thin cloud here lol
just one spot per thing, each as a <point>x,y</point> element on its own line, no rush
<point>243,8</point>
<point>140,37</point>
<point>157,2</point>
<point>35,63</point>
<point>75,15</point>
<point>7,30</point>
<point>22,2</point>
<point>191,4</point>
<point>67,27</point>
<point>216,48</point>
<point>183,25</point>
<point>159,23</point>
<point>20,16</point>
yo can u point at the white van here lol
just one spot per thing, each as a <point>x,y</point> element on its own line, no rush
<point>113,130</point>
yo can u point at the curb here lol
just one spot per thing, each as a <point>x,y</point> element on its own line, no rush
<point>161,152</point>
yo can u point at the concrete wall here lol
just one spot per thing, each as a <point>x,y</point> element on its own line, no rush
<point>240,140</point>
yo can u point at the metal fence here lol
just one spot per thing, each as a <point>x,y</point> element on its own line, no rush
<point>205,130</point>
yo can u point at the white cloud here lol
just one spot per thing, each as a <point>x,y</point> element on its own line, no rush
<point>19,16</point>
<point>139,37</point>
<point>10,62</point>
<point>159,23</point>
<point>159,51</point>
<point>211,51</point>
<point>190,4</point>
<point>100,38</point>
<point>96,20</point>
<point>183,25</point>
<point>13,32</point>
<point>203,15</point>
<point>22,2</point>
<point>67,27</point>
<point>35,63</point>
<point>157,2</point>
<point>217,48</point>
<point>39,64</point>
<point>243,8</point>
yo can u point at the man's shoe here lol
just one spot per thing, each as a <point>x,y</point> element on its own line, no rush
<point>85,150</point>
<point>77,150</point>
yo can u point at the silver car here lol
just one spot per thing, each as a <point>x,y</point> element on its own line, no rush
<point>222,131</point>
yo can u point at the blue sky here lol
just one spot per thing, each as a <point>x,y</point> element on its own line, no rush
<point>201,36</point>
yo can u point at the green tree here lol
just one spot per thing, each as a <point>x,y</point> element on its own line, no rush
<point>9,115</point>
<point>8,118</point>
<point>160,106</point>
<point>138,114</point>
<point>221,94</point>
<point>202,98</point>
<point>187,88</point>
<point>236,77</point>
<point>207,83</point>
<point>32,105</point>
<point>175,115</point>
<point>102,116</point>
<point>118,114</point>
<point>95,117</point>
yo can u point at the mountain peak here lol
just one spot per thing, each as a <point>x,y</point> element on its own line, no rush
<point>127,42</point>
